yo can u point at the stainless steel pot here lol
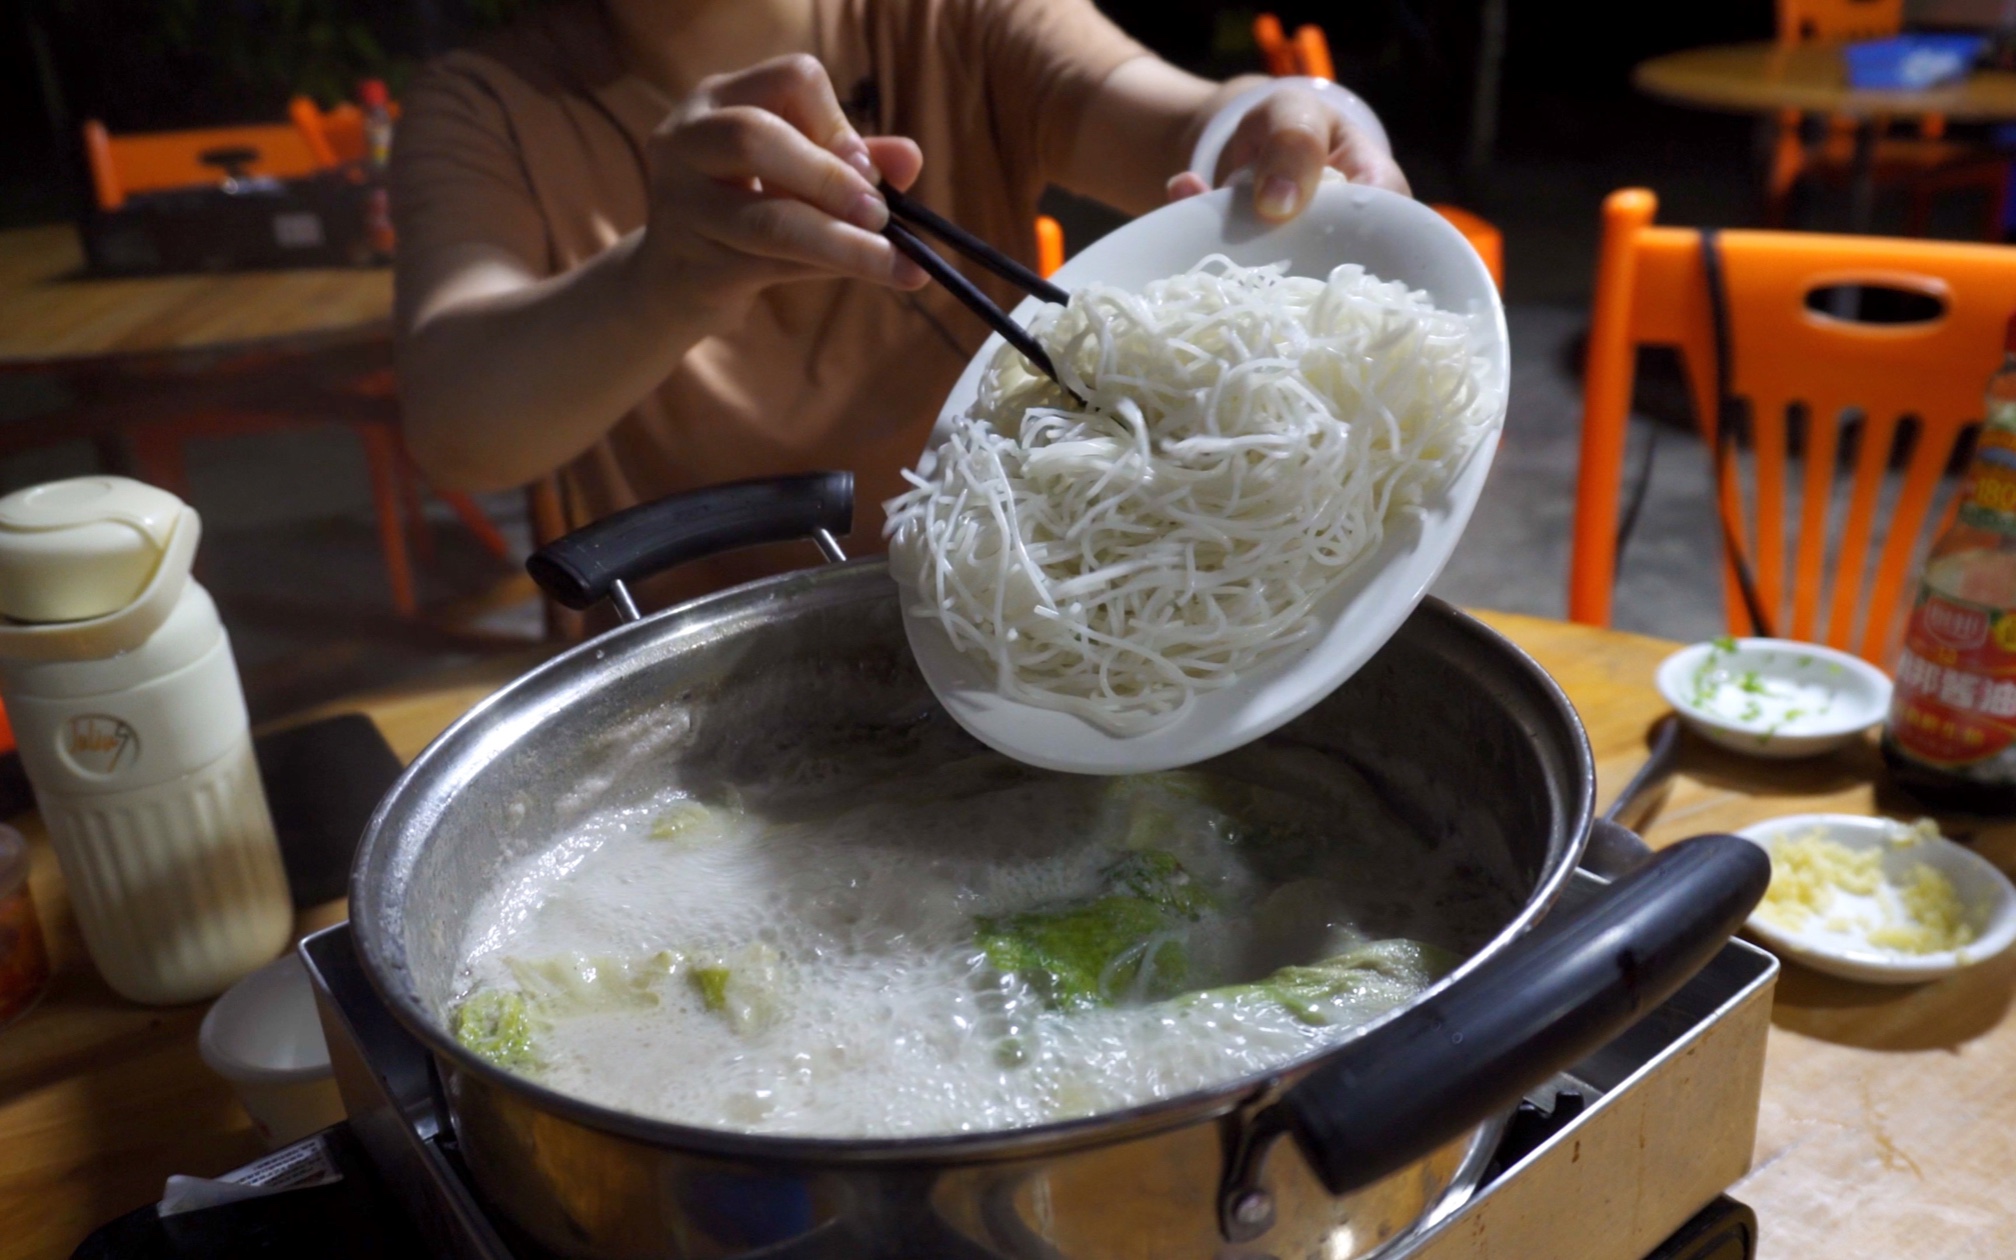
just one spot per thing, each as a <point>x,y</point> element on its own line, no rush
<point>1461,733</point>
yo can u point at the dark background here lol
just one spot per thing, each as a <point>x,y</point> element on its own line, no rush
<point>145,64</point>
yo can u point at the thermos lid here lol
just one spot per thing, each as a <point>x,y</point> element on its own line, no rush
<point>83,548</point>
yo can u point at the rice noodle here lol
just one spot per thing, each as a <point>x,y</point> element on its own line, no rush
<point>1247,437</point>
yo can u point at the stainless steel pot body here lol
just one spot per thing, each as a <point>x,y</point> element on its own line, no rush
<point>1459,731</point>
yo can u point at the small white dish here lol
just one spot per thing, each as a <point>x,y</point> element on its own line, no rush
<point>265,1037</point>
<point>1394,237</point>
<point>1774,697</point>
<point>1987,894</point>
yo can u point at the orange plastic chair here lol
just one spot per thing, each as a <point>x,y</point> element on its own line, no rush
<point>335,136</point>
<point>1484,237</point>
<point>158,449</point>
<point>1927,163</point>
<point>152,161</point>
<point>1049,246</point>
<point>1312,53</point>
<point>1275,50</point>
<point>1651,291</point>
<point>1309,54</point>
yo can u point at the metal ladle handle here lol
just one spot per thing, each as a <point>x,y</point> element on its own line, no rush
<point>598,560</point>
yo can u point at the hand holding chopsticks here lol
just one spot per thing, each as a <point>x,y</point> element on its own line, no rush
<point>904,212</point>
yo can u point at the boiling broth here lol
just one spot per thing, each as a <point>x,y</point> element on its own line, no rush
<point>960,945</point>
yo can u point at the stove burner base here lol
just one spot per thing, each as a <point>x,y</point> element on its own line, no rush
<point>357,1216</point>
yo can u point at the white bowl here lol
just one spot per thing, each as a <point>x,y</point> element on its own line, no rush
<point>265,1038</point>
<point>1774,697</point>
<point>1986,893</point>
<point>1394,237</point>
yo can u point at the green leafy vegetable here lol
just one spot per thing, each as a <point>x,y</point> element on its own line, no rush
<point>499,1025</point>
<point>573,984</point>
<point>1126,941</point>
<point>1158,878</point>
<point>743,988</point>
<point>1379,973</point>
<point>1153,805</point>
<point>713,985</point>
<point>688,821</point>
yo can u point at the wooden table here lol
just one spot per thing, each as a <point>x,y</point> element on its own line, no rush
<point>130,351</point>
<point>1765,78</point>
<point>51,314</point>
<point>1888,1129</point>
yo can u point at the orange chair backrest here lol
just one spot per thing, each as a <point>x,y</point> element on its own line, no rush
<point>1049,246</point>
<point>1275,50</point>
<point>315,129</point>
<point>1486,239</point>
<point>1650,290</point>
<point>151,161</point>
<point>1804,21</point>
<point>1312,53</point>
<point>337,135</point>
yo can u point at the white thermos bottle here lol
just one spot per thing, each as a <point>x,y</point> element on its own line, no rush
<point>131,723</point>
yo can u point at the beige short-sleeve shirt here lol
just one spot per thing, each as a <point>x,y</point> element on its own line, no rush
<point>534,142</point>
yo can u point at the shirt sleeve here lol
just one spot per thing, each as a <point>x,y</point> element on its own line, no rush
<point>458,175</point>
<point>1043,61</point>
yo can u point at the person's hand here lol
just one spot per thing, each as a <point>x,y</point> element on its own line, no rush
<point>1289,139</point>
<point>757,179</point>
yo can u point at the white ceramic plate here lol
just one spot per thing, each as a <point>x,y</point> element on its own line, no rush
<point>1394,237</point>
<point>1774,697</point>
<point>1985,892</point>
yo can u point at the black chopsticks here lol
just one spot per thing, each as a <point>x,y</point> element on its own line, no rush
<point>904,211</point>
<point>902,206</point>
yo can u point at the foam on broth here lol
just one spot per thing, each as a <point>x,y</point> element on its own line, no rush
<point>841,907</point>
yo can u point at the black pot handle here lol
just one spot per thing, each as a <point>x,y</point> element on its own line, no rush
<point>1549,1000</point>
<point>595,560</point>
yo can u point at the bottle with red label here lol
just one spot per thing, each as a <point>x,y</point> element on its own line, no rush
<point>377,109</point>
<point>1951,737</point>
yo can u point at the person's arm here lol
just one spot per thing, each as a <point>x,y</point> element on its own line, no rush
<point>1134,142</point>
<point>756,180</point>
<point>1117,123</point>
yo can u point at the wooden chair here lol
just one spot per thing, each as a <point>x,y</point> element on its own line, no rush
<point>1799,370</point>
<point>122,166</point>
<point>1308,53</point>
<point>1926,164</point>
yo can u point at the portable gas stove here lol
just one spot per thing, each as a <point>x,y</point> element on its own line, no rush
<point>1634,1146</point>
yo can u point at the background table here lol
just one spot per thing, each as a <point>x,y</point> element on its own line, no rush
<point>130,350</point>
<point>51,314</point>
<point>1888,1129</point>
<point>1765,78</point>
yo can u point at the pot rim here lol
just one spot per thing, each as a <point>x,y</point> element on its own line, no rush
<point>383,956</point>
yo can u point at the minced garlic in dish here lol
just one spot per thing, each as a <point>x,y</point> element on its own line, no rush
<point>1820,883</point>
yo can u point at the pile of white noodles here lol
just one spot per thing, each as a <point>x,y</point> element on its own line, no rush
<point>1247,435</point>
